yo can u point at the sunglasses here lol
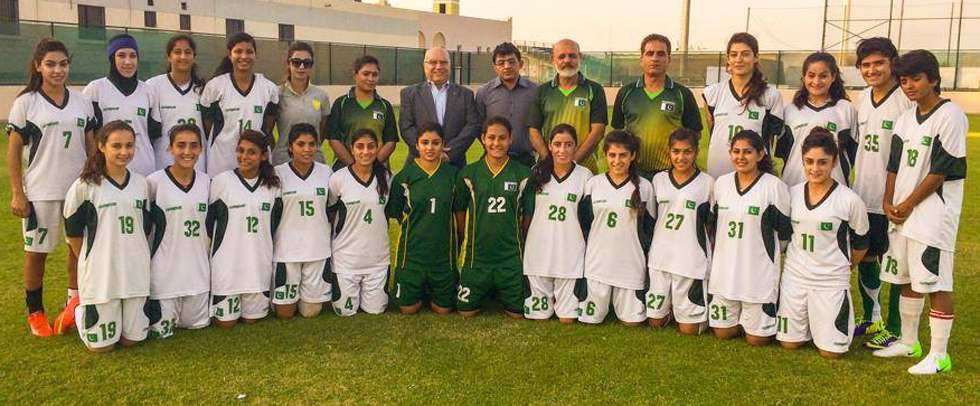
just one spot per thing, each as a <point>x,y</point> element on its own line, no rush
<point>296,62</point>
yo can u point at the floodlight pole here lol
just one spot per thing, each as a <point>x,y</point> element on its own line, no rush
<point>901,22</point>
<point>823,35</point>
<point>748,13</point>
<point>959,35</point>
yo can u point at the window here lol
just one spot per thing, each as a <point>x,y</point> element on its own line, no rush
<point>442,8</point>
<point>150,19</point>
<point>149,3</point>
<point>8,10</point>
<point>286,32</point>
<point>233,26</point>
<point>185,22</point>
<point>183,5</point>
<point>91,16</point>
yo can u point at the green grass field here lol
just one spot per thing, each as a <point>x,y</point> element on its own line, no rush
<point>429,359</point>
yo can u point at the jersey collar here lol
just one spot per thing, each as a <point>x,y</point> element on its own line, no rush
<point>828,104</point>
<point>731,88</point>
<point>354,175</point>
<point>921,118</point>
<point>668,83</point>
<point>581,79</point>
<point>190,85</point>
<point>251,188</point>
<point>64,103</point>
<point>738,187</point>
<point>567,175</point>
<point>614,185</point>
<point>300,175</point>
<point>883,99</point>
<point>494,174</point>
<point>439,165</point>
<point>117,185</point>
<point>183,188</point>
<point>806,195</point>
<point>670,175</point>
<point>234,84</point>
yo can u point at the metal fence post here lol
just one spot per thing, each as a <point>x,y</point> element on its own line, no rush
<point>330,63</point>
<point>718,78</point>
<point>395,67</point>
<point>779,67</point>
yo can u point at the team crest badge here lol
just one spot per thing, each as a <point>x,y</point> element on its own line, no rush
<point>201,207</point>
<point>258,109</point>
<point>316,104</point>
<point>927,141</point>
<point>378,115</point>
<point>139,204</point>
<point>754,210</point>
<point>753,115</point>
<point>28,241</point>
<point>571,197</point>
<point>826,226</point>
<point>382,200</point>
<point>668,106</point>
<point>92,337</point>
<point>140,111</point>
<point>581,102</point>
<point>629,203</point>
<point>80,122</point>
<point>321,191</point>
<point>689,204</point>
<point>887,125</point>
<point>831,126</point>
<point>266,206</point>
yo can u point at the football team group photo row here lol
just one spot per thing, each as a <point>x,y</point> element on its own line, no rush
<point>187,201</point>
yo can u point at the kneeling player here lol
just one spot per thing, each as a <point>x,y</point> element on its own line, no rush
<point>422,201</point>
<point>302,242</point>
<point>830,226</point>
<point>555,231</point>
<point>489,207</point>
<point>680,253</point>
<point>923,198</point>
<point>619,204</point>
<point>180,283</point>
<point>105,220</point>
<point>361,256</point>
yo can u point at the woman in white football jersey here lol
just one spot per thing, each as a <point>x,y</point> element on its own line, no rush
<point>680,253</point>
<point>122,96</point>
<point>175,98</point>
<point>234,100</point>
<point>821,102</point>
<point>361,256</point>
<point>242,219</point>
<point>750,208</point>
<point>830,226</point>
<point>178,198</point>
<point>302,241</point>
<point>744,102</point>
<point>554,259</point>
<point>49,128</point>
<point>106,219</point>
<point>619,207</point>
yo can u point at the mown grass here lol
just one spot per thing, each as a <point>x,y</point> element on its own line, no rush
<point>435,360</point>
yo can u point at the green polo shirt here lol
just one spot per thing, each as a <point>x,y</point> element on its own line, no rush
<point>348,115</point>
<point>653,116</point>
<point>580,107</point>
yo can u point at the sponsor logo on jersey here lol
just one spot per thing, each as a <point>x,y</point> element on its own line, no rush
<point>887,124</point>
<point>167,107</point>
<point>754,210</point>
<point>104,205</point>
<point>140,111</point>
<point>668,106</point>
<point>689,204</point>
<point>110,108</point>
<point>80,122</point>
<point>841,343</point>
<point>927,141</point>
<point>510,186</point>
<point>826,226</point>
<point>571,197</point>
<point>202,207</point>
<point>289,193</point>
<point>232,109</point>
<point>51,124</point>
<point>721,115</point>
<point>266,206</point>
<point>831,126</point>
<point>236,206</point>
<point>378,115</point>
<point>258,109</point>
<point>321,191</point>
<point>753,115</point>
<point>581,102</point>
<point>799,126</point>
<point>174,208</point>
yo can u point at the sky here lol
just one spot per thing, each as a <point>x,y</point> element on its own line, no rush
<point>619,25</point>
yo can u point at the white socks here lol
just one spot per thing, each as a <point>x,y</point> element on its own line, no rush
<point>910,309</point>
<point>940,325</point>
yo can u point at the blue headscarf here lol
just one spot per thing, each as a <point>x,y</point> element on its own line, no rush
<point>122,41</point>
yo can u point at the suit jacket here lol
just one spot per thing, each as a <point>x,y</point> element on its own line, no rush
<point>461,123</point>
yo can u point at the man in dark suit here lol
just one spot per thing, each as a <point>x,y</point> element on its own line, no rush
<point>439,100</point>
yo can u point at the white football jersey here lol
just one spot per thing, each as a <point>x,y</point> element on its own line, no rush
<point>555,245</point>
<point>839,117</point>
<point>824,232</point>
<point>360,237</point>
<point>234,110</point>
<point>114,262</point>
<point>746,259</point>
<point>304,232</point>
<point>877,124</point>
<point>680,239</point>
<point>242,219</point>
<point>614,254</point>
<point>924,144</point>
<point>54,141</point>
<point>134,110</point>
<point>179,241</point>
<point>731,116</point>
<point>171,105</point>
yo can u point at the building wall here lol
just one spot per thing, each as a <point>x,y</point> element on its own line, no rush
<point>341,21</point>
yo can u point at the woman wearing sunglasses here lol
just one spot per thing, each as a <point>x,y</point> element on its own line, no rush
<point>299,101</point>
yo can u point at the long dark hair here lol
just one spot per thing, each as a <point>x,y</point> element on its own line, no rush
<point>196,80</point>
<point>822,138</point>
<point>836,91</point>
<point>629,141</point>
<point>293,48</point>
<point>377,168</point>
<point>755,140</point>
<point>757,83</point>
<point>94,169</point>
<point>235,39</point>
<point>43,47</point>
<point>267,173</point>
<point>541,173</point>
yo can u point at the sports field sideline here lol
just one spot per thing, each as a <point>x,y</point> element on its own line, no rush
<point>436,360</point>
